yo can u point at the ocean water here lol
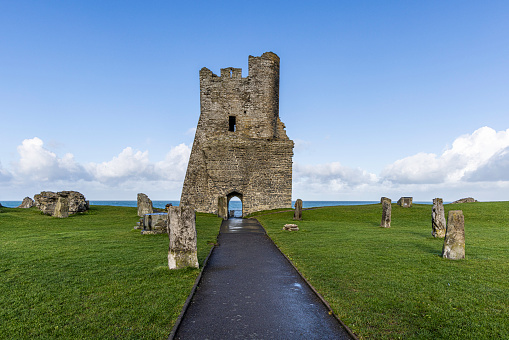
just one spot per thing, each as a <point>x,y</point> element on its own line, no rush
<point>234,205</point>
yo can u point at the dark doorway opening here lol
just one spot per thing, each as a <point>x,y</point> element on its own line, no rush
<point>235,206</point>
<point>232,124</point>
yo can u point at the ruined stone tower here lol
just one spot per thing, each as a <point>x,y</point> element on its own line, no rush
<point>240,148</point>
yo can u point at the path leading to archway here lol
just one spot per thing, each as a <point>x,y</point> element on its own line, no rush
<point>249,291</point>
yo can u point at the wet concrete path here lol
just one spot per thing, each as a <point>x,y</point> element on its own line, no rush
<point>249,291</point>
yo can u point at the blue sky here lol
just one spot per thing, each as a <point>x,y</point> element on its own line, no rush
<point>383,98</point>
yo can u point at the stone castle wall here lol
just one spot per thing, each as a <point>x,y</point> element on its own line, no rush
<point>240,147</point>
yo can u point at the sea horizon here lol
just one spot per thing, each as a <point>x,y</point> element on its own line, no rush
<point>235,205</point>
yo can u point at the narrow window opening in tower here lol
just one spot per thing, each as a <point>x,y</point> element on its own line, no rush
<point>232,124</point>
<point>231,73</point>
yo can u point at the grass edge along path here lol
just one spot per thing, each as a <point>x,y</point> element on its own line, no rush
<point>392,283</point>
<point>91,275</point>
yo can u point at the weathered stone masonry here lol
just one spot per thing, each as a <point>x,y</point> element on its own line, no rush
<point>240,147</point>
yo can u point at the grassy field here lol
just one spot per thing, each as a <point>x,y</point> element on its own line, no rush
<point>393,283</point>
<point>90,275</point>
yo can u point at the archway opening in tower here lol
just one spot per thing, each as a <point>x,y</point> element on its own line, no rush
<point>235,205</point>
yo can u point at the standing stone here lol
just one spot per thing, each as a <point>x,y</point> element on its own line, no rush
<point>438,218</point>
<point>222,207</point>
<point>386,212</point>
<point>298,210</point>
<point>454,242</point>
<point>61,208</point>
<point>144,205</point>
<point>182,233</point>
<point>27,203</point>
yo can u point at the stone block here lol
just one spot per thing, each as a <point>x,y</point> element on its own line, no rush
<point>386,212</point>
<point>297,215</point>
<point>438,226</point>
<point>454,241</point>
<point>144,205</point>
<point>182,233</point>
<point>405,202</point>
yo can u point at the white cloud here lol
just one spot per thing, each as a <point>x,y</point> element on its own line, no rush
<point>467,154</point>
<point>36,163</point>
<point>330,177</point>
<point>174,166</point>
<point>127,164</point>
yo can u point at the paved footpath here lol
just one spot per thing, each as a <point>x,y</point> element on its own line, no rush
<point>249,291</point>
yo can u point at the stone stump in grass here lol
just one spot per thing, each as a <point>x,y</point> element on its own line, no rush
<point>454,242</point>
<point>297,215</point>
<point>438,225</point>
<point>386,212</point>
<point>144,205</point>
<point>61,208</point>
<point>222,207</point>
<point>182,232</point>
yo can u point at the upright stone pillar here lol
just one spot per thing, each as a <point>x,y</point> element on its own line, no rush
<point>222,207</point>
<point>454,242</point>
<point>438,218</point>
<point>298,210</point>
<point>61,208</point>
<point>386,212</point>
<point>144,205</point>
<point>182,233</point>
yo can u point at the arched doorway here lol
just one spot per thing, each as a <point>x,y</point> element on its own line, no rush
<point>235,205</point>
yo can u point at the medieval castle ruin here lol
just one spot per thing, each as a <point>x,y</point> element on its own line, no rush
<point>240,148</point>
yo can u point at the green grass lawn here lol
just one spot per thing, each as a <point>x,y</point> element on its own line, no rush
<point>392,283</point>
<point>90,275</point>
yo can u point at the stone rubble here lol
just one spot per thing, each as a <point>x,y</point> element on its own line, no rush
<point>47,201</point>
<point>291,227</point>
<point>27,203</point>
<point>465,200</point>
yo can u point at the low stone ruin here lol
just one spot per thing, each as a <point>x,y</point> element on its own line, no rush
<point>155,223</point>
<point>297,215</point>
<point>144,205</point>
<point>454,241</point>
<point>386,212</point>
<point>405,202</point>
<point>183,251</point>
<point>27,203</point>
<point>438,225</point>
<point>291,227</point>
<point>465,200</point>
<point>71,202</point>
